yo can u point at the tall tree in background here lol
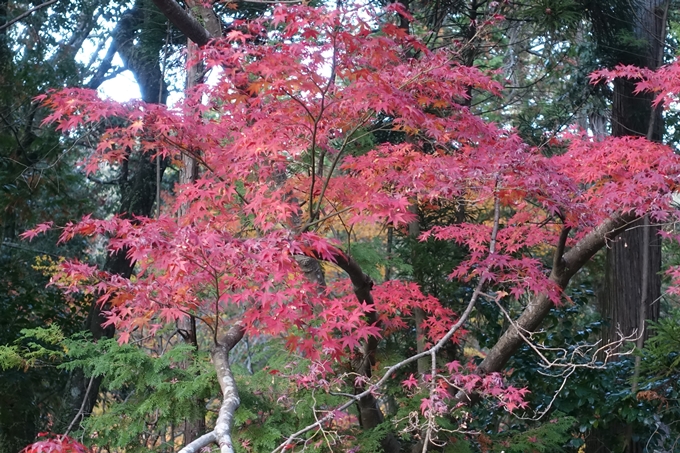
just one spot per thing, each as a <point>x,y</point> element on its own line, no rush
<point>631,33</point>
<point>632,286</point>
<point>37,180</point>
<point>37,169</point>
<point>138,39</point>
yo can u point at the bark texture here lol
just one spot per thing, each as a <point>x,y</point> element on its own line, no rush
<point>184,21</point>
<point>138,194</point>
<point>230,399</point>
<point>625,289</point>
<point>632,282</point>
<point>623,296</point>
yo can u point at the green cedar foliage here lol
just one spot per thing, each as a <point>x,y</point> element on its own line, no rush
<point>38,182</point>
<point>550,436</point>
<point>661,355</point>
<point>660,381</point>
<point>146,394</point>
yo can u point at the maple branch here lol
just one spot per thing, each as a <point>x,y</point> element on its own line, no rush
<point>565,361</point>
<point>315,130</point>
<point>359,280</point>
<point>388,374</point>
<point>221,435</point>
<point>539,305</point>
<point>197,444</point>
<point>329,216</point>
<point>334,164</point>
<point>312,151</point>
<point>334,65</point>
<point>322,155</point>
<point>572,261</point>
<point>369,410</point>
<point>230,399</point>
<point>197,157</point>
<point>558,260</point>
<point>215,274</point>
<point>475,295</point>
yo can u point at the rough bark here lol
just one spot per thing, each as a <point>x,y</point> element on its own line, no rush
<point>138,194</point>
<point>623,295</point>
<point>184,21</point>
<point>632,282</point>
<point>632,114</point>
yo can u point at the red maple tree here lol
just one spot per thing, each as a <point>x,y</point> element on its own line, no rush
<point>278,138</point>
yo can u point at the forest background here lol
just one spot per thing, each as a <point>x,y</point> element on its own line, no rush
<point>469,208</point>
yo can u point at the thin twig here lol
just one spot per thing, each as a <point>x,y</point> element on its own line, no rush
<point>82,407</point>
<point>429,352</point>
<point>26,14</point>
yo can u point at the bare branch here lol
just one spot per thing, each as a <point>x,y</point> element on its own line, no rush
<point>26,14</point>
<point>197,444</point>
<point>388,373</point>
<point>29,249</point>
<point>431,423</point>
<point>567,362</point>
<point>230,398</point>
<point>539,305</point>
<point>81,411</point>
<point>186,23</point>
<point>354,271</point>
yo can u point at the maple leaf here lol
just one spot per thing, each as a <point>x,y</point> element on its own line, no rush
<point>41,228</point>
<point>410,382</point>
<point>137,126</point>
<point>425,404</point>
<point>123,338</point>
<point>55,444</point>
<point>453,366</point>
<point>236,35</point>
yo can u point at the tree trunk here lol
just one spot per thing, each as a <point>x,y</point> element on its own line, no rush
<point>632,282</point>
<point>138,194</point>
<point>193,428</point>
<point>625,291</point>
